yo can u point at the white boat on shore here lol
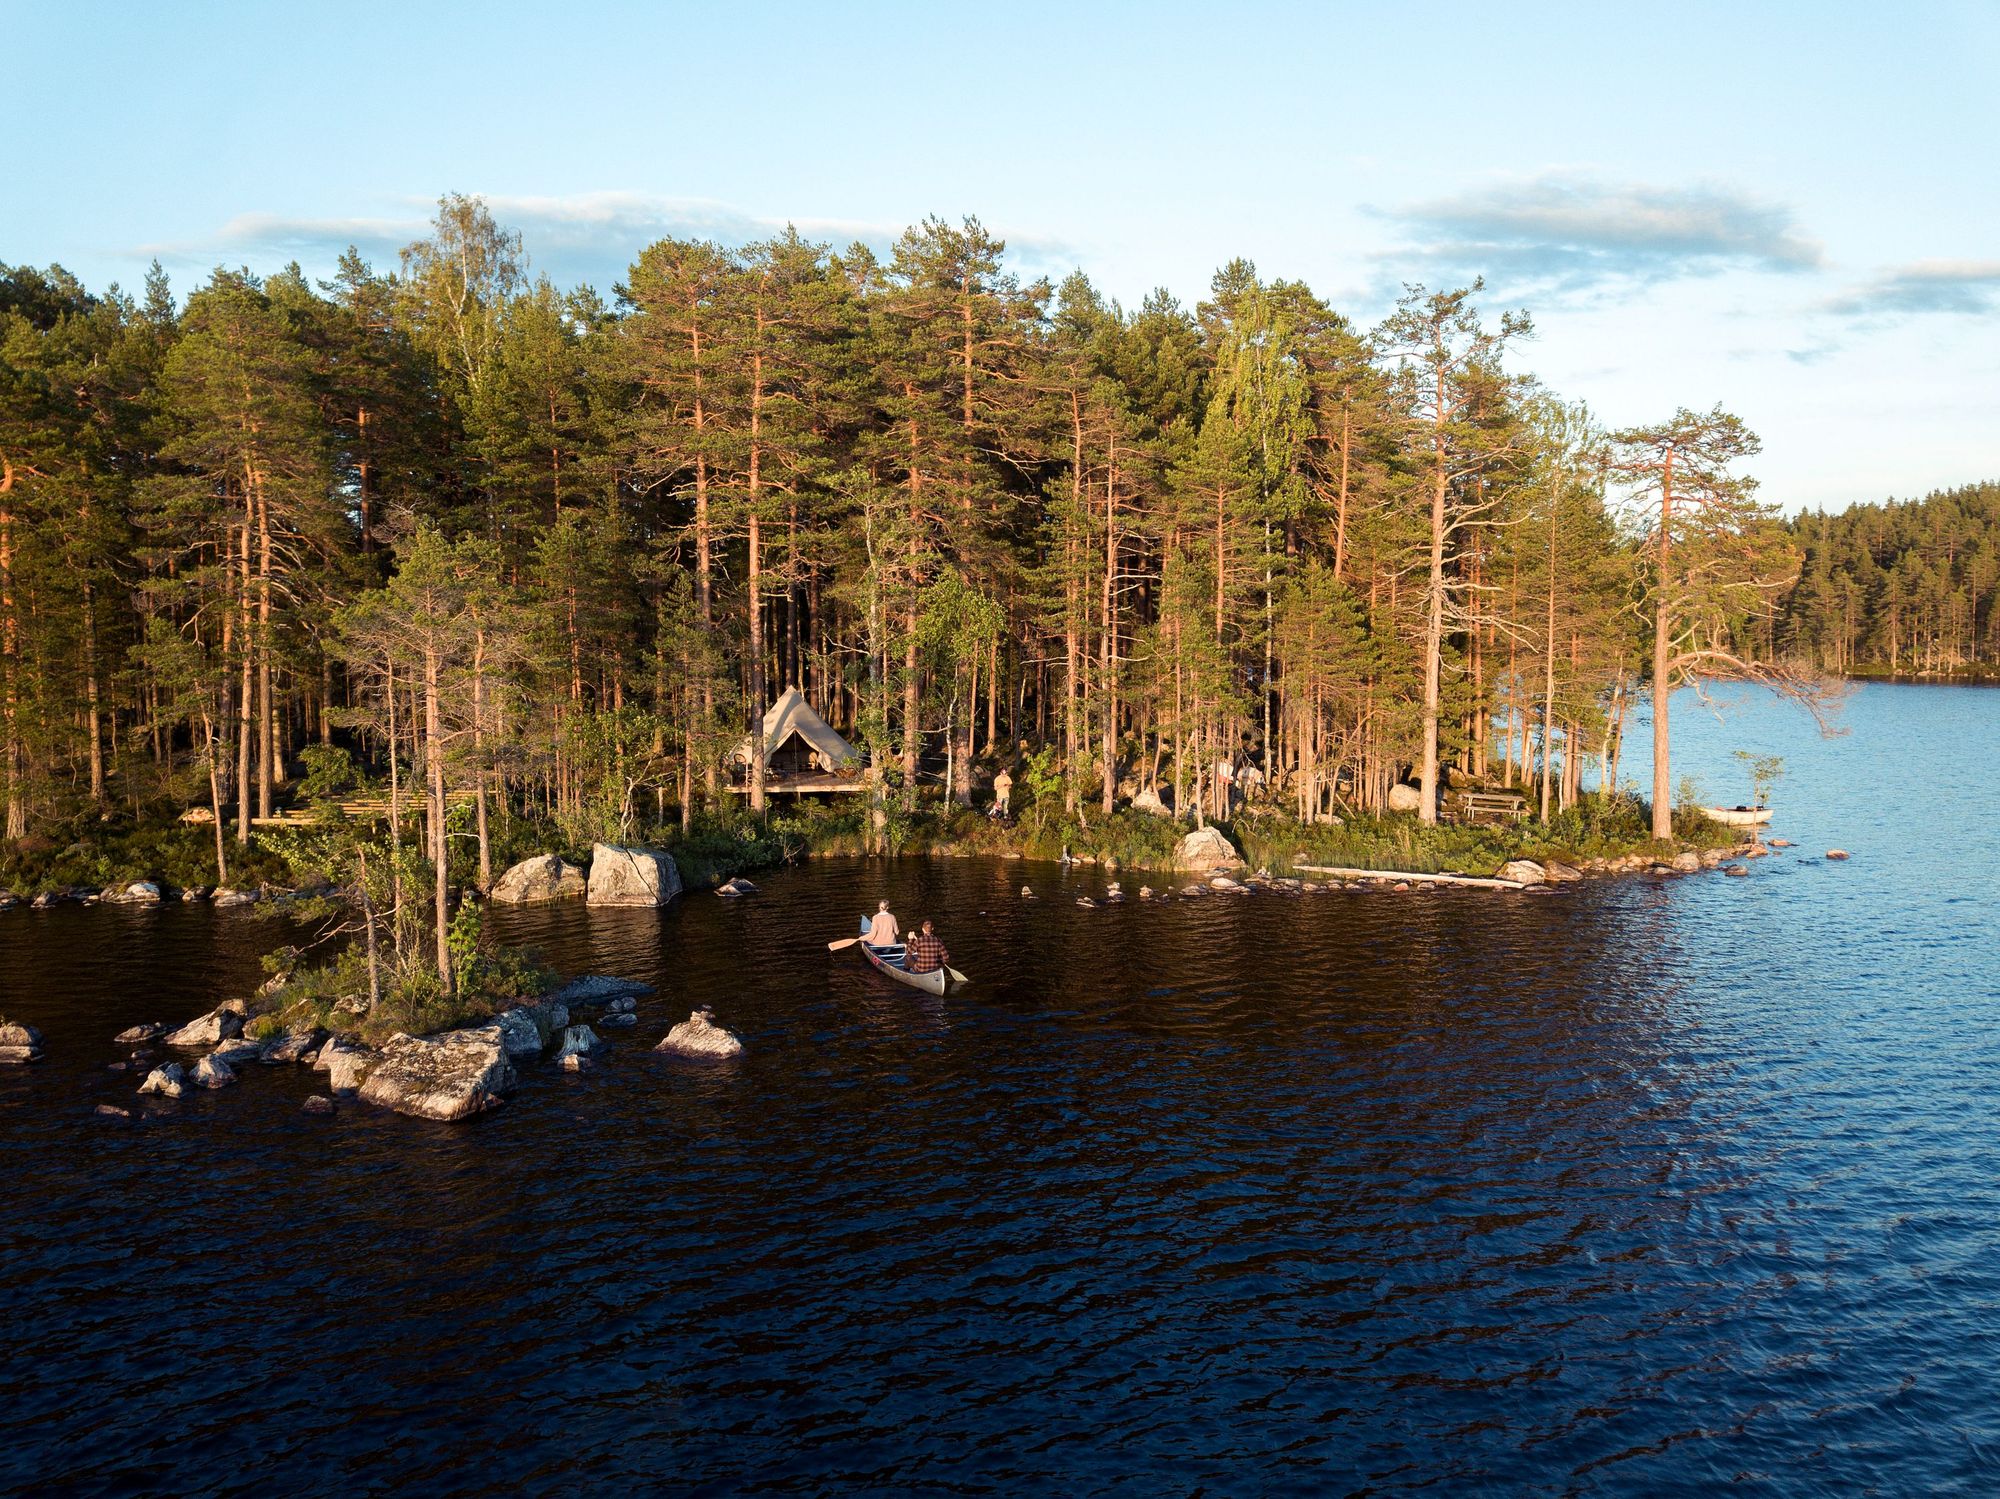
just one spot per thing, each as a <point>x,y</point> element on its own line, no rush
<point>1738,817</point>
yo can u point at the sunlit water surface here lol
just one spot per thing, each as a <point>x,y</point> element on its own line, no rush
<point>1636,1188</point>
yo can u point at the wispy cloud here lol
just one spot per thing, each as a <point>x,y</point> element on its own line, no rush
<point>1564,234</point>
<point>575,237</point>
<point>1965,287</point>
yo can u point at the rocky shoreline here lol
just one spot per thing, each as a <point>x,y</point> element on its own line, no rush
<point>448,1076</point>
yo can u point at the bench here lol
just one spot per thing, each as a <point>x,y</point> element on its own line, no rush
<point>1489,806</point>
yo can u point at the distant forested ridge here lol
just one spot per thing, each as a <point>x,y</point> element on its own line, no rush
<point>1903,586</point>
<point>550,552</point>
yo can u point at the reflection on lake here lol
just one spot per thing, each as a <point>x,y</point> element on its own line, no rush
<point>1639,1187</point>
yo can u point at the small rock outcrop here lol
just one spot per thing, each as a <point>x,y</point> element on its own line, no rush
<point>1228,886</point>
<point>736,887</point>
<point>1523,872</point>
<point>698,1036</point>
<point>520,1036</point>
<point>223,1023</point>
<point>227,897</point>
<point>238,1051</point>
<point>112,1111</point>
<point>1836,853</point>
<point>168,1081</point>
<point>1687,861</point>
<point>317,1104</point>
<point>291,1047</point>
<point>594,989</point>
<point>631,877</point>
<point>213,1072</point>
<point>1405,798</point>
<point>1560,873</point>
<point>1206,851</point>
<point>1739,871</point>
<point>139,893</point>
<point>19,1043</point>
<point>545,877</point>
<point>137,1033</point>
<point>577,1041</point>
<point>346,1064</point>
<point>445,1077</point>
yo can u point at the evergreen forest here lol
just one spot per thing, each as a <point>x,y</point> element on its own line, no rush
<point>461,536</point>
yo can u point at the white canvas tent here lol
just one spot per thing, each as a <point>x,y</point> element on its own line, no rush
<point>790,719</point>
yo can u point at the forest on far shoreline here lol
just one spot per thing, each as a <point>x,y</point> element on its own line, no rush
<point>449,527</point>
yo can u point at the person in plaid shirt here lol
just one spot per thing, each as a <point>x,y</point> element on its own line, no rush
<point>925,953</point>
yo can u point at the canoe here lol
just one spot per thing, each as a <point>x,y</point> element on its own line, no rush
<point>889,961</point>
<point>1738,817</point>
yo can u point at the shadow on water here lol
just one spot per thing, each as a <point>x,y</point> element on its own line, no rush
<point>1636,1187</point>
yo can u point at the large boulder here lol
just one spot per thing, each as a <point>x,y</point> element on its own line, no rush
<point>631,877</point>
<point>698,1036</point>
<point>19,1043</point>
<point>1405,798</point>
<point>445,1077</point>
<point>1206,851</point>
<point>1560,873</point>
<point>346,1064</point>
<point>223,1023</point>
<point>1522,872</point>
<point>545,877</point>
<point>1149,800</point>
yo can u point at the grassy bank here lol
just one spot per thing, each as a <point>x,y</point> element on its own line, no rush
<point>98,855</point>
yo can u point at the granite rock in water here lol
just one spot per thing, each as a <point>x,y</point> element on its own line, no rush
<point>139,893</point>
<point>519,1035</point>
<point>211,1072</point>
<point>222,1023</point>
<point>737,886</point>
<point>619,1020</point>
<point>545,877</point>
<point>224,896</point>
<point>698,1036</point>
<point>1522,872</point>
<point>317,1104</point>
<point>238,1051</point>
<point>1560,873</point>
<point>595,989</point>
<point>346,1064</point>
<point>291,1047</point>
<point>1206,851</point>
<point>631,877</point>
<point>20,1043</point>
<point>168,1081</point>
<point>1836,853</point>
<point>137,1033</point>
<point>577,1041</point>
<point>1687,861</point>
<point>112,1111</point>
<point>575,1061</point>
<point>449,1076</point>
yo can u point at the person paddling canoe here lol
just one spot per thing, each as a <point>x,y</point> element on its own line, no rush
<point>925,952</point>
<point>882,930</point>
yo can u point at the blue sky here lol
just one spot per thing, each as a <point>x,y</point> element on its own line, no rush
<point>1787,208</point>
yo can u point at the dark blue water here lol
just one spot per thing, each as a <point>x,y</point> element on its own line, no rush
<point>1639,1188</point>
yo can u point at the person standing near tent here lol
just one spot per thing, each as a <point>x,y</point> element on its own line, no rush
<point>882,930</point>
<point>1003,793</point>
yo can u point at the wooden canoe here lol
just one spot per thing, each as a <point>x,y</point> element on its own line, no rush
<point>1738,817</point>
<point>889,961</point>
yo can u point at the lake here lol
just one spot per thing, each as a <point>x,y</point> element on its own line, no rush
<point>1636,1188</point>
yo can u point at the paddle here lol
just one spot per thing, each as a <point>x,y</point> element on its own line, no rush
<point>956,976</point>
<point>843,942</point>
